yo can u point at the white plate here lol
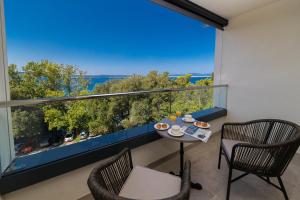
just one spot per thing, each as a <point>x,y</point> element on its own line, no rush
<point>208,126</point>
<point>161,129</point>
<point>189,121</point>
<point>179,134</point>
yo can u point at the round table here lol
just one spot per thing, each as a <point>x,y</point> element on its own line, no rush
<point>184,139</point>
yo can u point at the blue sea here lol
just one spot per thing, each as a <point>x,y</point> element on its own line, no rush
<point>99,79</point>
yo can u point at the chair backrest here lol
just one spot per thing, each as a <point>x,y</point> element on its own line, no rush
<point>281,131</point>
<point>268,131</point>
<point>273,143</point>
<point>286,135</point>
<point>106,180</point>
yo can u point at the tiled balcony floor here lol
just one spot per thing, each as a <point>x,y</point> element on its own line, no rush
<point>204,170</point>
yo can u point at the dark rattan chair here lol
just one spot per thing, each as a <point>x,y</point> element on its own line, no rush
<point>107,179</point>
<point>260,147</point>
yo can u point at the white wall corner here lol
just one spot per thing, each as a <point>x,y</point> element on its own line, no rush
<point>218,57</point>
<point>220,94</point>
<point>260,62</point>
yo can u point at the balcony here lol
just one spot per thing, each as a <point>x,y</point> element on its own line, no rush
<point>256,76</point>
<point>129,128</point>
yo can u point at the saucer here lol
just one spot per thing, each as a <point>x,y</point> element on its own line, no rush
<point>179,134</point>
<point>188,120</point>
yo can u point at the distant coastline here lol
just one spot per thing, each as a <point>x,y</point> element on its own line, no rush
<point>100,79</point>
<point>103,78</point>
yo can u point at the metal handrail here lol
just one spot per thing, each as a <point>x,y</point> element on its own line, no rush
<point>14,103</point>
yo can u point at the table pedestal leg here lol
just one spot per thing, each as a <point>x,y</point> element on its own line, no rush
<point>181,159</point>
<point>197,186</point>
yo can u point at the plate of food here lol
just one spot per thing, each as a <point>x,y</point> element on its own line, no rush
<point>162,126</point>
<point>202,124</point>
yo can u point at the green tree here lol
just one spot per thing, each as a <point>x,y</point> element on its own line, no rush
<point>46,79</point>
<point>55,118</point>
<point>139,114</point>
<point>77,115</point>
<point>183,81</point>
<point>55,114</point>
<point>15,82</point>
<point>27,122</point>
<point>67,73</point>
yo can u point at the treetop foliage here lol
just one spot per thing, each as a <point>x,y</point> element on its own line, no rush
<point>46,79</point>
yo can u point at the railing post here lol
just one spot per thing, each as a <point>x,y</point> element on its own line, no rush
<point>149,107</point>
<point>170,102</point>
<point>199,99</point>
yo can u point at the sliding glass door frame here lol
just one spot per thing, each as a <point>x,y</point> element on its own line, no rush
<point>7,152</point>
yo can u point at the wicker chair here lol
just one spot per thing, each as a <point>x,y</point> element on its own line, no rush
<point>261,147</point>
<point>107,180</point>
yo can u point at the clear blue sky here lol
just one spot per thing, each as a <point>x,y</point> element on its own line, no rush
<point>108,37</point>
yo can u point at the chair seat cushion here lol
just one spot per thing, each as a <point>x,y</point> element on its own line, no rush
<point>145,183</point>
<point>228,145</point>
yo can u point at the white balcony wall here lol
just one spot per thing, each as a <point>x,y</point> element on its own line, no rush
<point>258,56</point>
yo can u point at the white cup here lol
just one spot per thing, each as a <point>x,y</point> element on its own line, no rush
<point>175,128</point>
<point>188,117</point>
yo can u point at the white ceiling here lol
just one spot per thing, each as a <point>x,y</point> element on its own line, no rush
<point>231,8</point>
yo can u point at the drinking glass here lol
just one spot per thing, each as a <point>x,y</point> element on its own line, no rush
<point>173,118</point>
<point>178,113</point>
